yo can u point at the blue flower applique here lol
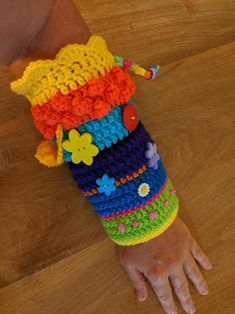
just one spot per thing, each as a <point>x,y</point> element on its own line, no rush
<point>106,184</point>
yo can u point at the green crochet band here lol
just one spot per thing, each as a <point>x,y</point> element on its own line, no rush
<point>148,222</point>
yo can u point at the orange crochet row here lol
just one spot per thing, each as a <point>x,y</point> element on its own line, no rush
<point>94,100</point>
<point>122,180</point>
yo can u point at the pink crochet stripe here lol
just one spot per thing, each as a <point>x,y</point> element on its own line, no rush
<point>131,210</point>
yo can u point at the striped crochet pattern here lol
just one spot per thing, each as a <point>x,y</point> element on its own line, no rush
<point>112,160</point>
<point>81,104</point>
<point>74,65</point>
<point>93,100</point>
<point>105,131</point>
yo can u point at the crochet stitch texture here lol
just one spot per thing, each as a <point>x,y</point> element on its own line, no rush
<point>81,104</point>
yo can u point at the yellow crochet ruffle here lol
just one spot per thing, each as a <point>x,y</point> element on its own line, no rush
<point>74,65</point>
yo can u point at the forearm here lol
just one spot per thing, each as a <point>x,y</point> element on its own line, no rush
<point>37,30</point>
<point>20,22</point>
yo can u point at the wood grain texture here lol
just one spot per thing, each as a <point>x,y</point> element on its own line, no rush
<point>54,254</point>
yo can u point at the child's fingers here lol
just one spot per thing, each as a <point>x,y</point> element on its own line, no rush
<point>200,256</point>
<point>193,272</point>
<point>180,285</point>
<point>139,283</point>
<point>162,288</point>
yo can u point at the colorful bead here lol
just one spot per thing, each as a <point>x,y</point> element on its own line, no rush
<point>130,117</point>
<point>121,228</point>
<point>152,215</point>
<point>106,184</point>
<point>152,72</point>
<point>152,155</point>
<point>127,64</point>
<point>81,148</point>
<point>119,60</point>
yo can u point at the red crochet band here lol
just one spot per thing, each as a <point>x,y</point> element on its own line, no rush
<point>94,100</point>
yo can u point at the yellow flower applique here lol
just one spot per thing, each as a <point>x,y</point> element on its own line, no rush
<point>81,147</point>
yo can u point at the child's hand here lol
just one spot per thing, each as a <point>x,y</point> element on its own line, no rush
<point>167,259</point>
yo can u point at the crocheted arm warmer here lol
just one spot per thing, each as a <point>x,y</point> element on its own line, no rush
<point>81,104</point>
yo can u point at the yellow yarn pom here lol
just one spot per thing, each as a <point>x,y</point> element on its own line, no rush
<point>47,152</point>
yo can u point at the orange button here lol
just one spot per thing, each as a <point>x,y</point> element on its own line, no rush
<point>130,117</point>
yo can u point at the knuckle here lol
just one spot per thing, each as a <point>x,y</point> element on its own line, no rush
<point>197,250</point>
<point>195,246</point>
<point>155,273</point>
<point>188,300</point>
<point>165,302</point>
<point>193,273</point>
<point>175,268</point>
<point>137,284</point>
<point>174,261</point>
<point>181,289</point>
<point>164,297</point>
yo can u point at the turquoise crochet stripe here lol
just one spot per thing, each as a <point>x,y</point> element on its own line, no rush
<point>105,132</point>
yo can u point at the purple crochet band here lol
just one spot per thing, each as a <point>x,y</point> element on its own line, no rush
<point>118,161</point>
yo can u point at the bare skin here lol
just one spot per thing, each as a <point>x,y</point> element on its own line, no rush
<point>164,261</point>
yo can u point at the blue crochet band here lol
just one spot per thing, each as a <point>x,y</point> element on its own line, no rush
<point>126,195</point>
<point>105,132</point>
<point>115,165</point>
<point>120,160</point>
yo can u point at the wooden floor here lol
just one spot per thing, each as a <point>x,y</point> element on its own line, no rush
<point>54,255</point>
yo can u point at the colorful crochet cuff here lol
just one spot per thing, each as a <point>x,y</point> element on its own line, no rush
<point>81,104</point>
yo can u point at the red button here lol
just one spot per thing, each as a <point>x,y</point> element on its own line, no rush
<point>130,117</point>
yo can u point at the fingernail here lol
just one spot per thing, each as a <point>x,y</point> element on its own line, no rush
<point>191,309</point>
<point>141,295</point>
<point>204,291</point>
<point>173,312</point>
<point>209,266</point>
